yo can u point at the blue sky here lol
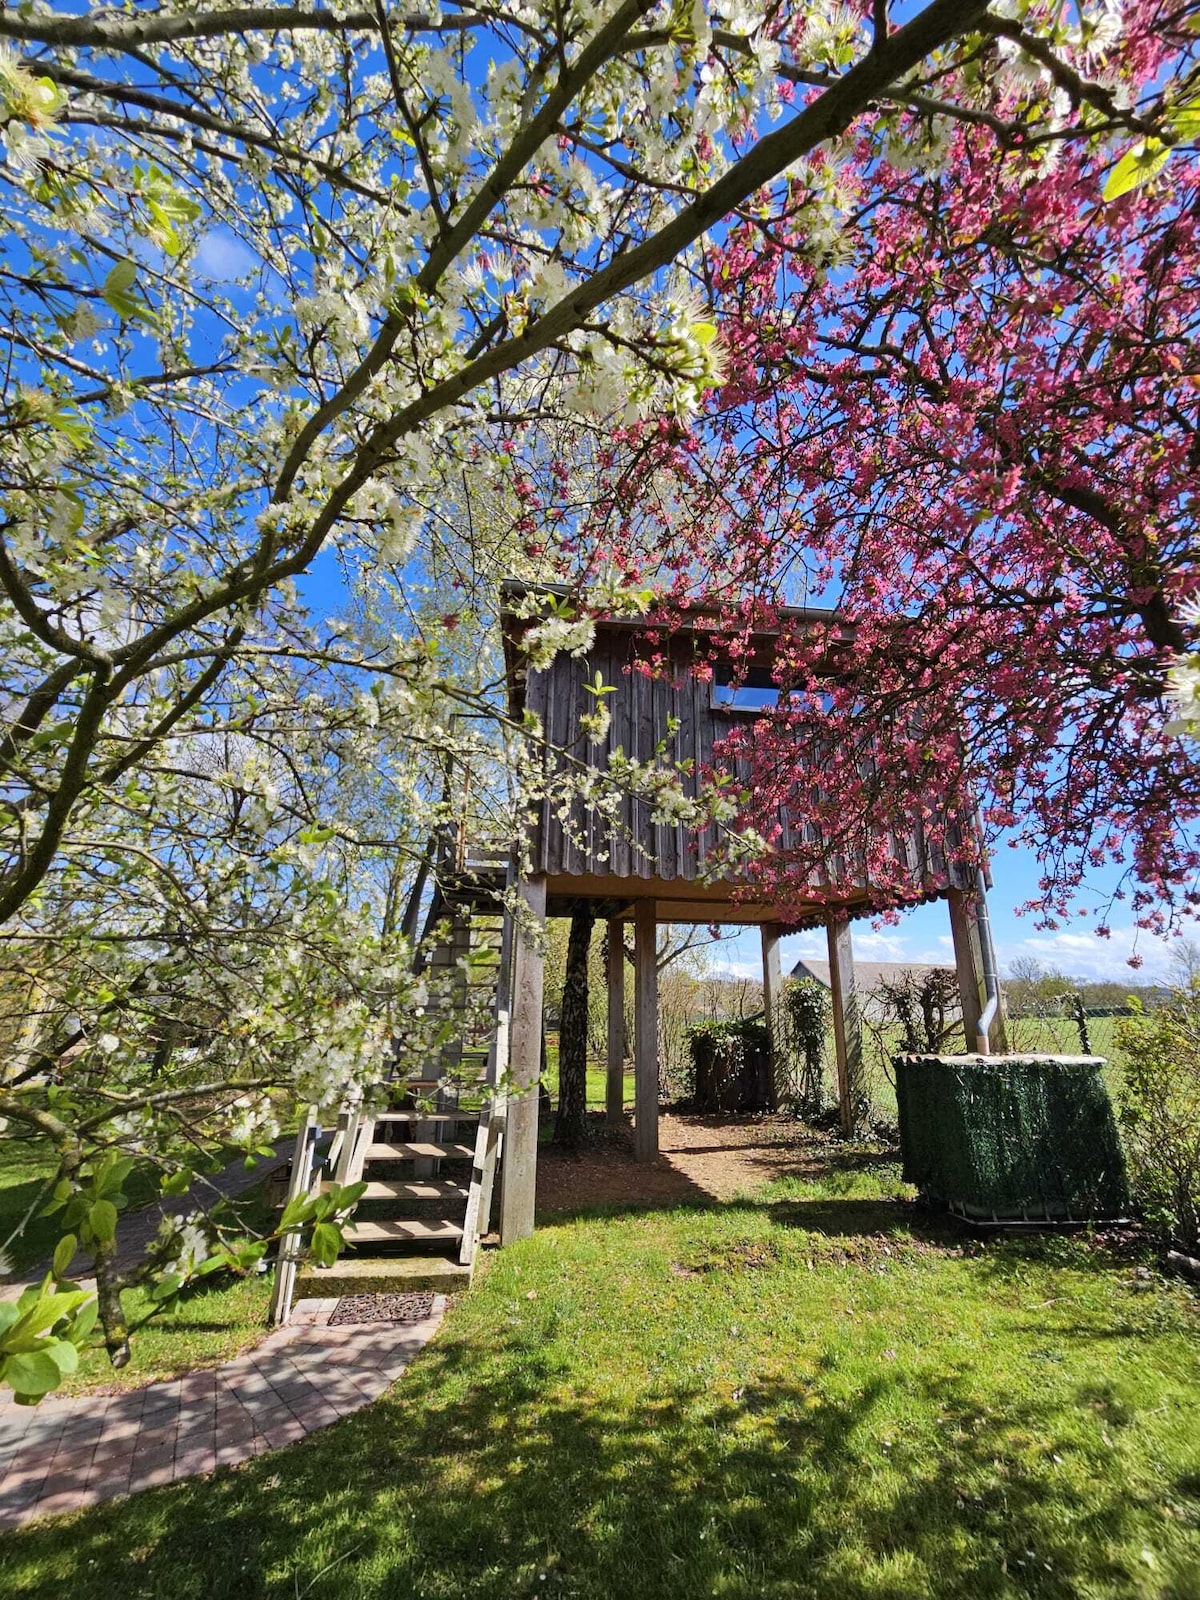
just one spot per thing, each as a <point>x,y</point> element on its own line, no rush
<point>923,934</point>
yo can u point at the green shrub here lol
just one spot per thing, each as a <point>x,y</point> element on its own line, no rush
<point>807,1006</point>
<point>731,1060</point>
<point>1159,1110</point>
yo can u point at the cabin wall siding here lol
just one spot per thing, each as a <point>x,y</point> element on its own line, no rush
<point>637,847</point>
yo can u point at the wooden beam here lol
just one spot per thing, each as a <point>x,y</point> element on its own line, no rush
<point>847,1025</point>
<point>525,1066</point>
<point>968,966</point>
<point>614,1097</point>
<point>968,963</point>
<point>773,1006</point>
<point>645,1027</point>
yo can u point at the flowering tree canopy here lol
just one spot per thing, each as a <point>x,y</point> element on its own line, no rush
<point>967,417</point>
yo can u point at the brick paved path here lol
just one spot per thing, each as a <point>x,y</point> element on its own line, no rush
<point>65,1454</point>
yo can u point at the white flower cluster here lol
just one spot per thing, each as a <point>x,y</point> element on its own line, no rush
<point>190,1239</point>
<point>256,1122</point>
<point>557,634</point>
<point>1183,684</point>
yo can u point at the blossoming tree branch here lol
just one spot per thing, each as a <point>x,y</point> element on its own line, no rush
<point>287,285</point>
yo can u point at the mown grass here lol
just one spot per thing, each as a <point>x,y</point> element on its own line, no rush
<point>812,1392</point>
<point>25,1165</point>
<point>211,1324</point>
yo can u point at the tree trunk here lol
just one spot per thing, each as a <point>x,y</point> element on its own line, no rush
<point>570,1125</point>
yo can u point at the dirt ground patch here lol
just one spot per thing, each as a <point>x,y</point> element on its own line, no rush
<point>700,1157</point>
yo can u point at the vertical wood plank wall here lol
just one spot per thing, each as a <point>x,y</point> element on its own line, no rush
<point>634,846</point>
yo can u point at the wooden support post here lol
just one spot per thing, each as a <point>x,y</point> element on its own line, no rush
<point>968,967</point>
<point>525,1067</point>
<point>614,1097</point>
<point>645,1027</point>
<point>847,1025</point>
<point>968,963</point>
<point>773,1008</point>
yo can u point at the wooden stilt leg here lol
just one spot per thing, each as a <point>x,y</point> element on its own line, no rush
<point>519,1180</point>
<point>614,1098</point>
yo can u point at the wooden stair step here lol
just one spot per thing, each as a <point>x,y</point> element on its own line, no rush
<point>416,1189</point>
<point>420,1150</point>
<point>431,1086</point>
<point>415,1114</point>
<point>402,1230</point>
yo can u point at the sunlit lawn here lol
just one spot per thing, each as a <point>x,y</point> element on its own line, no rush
<point>808,1393</point>
<point>210,1325</point>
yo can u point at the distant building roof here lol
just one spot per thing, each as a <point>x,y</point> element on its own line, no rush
<point>869,976</point>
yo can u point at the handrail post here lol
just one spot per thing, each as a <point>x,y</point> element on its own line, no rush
<point>289,1246</point>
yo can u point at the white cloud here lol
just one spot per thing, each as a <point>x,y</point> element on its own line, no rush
<point>222,258</point>
<point>1083,955</point>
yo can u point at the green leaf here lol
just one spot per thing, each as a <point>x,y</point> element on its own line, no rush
<point>83,1322</point>
<point>326,1242</point>
<point>32,1373</point>
<point>164,229</point>
<point>1136,166</point>
<point>178,1182</point>
<point>315,835</point>
<point>112,1176</point>
<point>43,1313</point>
<point>64,1254</point>
<point>1185,121</point>
<point>118,292</point>
<point>102,1219</point>
<point>64,1356</point>
<point>296,1211</point>
<point>73,426</point>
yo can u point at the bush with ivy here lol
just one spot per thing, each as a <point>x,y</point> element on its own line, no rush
<point>807,1008</point>
<point>731,1064</point>
<point>1159,1111</point>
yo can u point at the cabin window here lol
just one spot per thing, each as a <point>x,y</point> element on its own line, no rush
<point>755,691</point>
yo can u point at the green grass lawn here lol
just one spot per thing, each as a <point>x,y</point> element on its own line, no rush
<point>811,1392</point>
<point>212,1324</point>
<point>25,1164</point>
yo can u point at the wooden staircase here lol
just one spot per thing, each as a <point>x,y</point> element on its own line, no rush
<point>429,1156</point>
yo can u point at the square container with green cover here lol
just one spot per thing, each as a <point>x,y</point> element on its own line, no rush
<point>1011,1138</point>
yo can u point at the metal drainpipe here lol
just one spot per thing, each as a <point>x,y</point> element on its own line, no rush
<point>991,982</point>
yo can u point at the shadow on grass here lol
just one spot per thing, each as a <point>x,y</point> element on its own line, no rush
<point>488,1475</point>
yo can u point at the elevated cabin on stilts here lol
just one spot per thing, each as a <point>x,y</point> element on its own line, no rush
<point>634,869</point>
<point>431,1154</point>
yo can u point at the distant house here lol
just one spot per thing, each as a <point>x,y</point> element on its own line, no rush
<point>870,978</point>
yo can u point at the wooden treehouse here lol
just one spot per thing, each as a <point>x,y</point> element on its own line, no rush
<point>431,1159</point>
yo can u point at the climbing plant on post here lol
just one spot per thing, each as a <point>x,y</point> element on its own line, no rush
<point>806,1003</point>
